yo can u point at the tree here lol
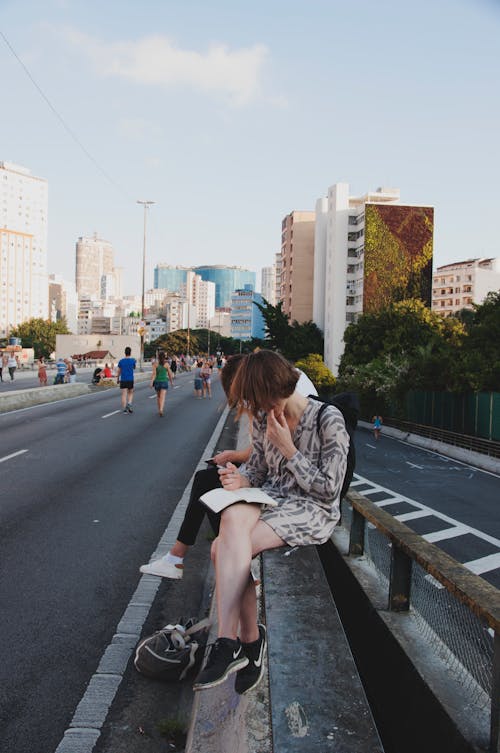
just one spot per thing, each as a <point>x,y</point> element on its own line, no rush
<point>40,334</point>
<point>317,371</point>
<point>292,340</point>
<point>480,357</point>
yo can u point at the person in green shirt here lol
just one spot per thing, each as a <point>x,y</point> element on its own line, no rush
<point>159,380</point>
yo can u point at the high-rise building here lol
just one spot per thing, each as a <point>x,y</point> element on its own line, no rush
<point>268,284</point>
<point>277,273</point>
<point>200,294</point>
<point>23,246</point>
<point>461,284</point>
<point>170,278</point>
<point>63,302</point>
<point>369,251</point>
<point>246,319</point>
<point>227,280</point>
<point>94,259</point>
<point>297,265</point>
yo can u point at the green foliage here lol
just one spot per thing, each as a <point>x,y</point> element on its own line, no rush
<point>317,371</point>
<point>177,342</point>
<point>174,730</point>
<point>294,340</point>
<point>40,334</point>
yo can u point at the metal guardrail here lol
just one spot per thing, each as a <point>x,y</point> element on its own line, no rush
<point>467,441</point>
<point>407,548</point>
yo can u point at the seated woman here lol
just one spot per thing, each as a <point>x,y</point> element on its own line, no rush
<point>303,470</point>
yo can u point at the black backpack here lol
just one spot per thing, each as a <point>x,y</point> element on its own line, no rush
<point>348,404</point>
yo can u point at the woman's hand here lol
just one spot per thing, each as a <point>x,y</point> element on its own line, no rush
<point>231,479</point>
<point>278,433</point>
<point>226,456</point>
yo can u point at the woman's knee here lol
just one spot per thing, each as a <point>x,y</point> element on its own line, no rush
<point>238,519</point>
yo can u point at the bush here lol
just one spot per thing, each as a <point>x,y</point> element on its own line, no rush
<point>315,368</point>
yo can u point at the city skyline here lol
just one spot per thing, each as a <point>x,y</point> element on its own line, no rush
<point>229,126</point>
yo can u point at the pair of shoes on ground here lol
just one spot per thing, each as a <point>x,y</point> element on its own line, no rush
<point>227,656</point>
<point>163,569</point>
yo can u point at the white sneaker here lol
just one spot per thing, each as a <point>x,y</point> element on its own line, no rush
<point>163,569</point>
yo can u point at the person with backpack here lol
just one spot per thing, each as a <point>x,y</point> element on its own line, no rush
<point>303,469</point>
<point>171,565</point>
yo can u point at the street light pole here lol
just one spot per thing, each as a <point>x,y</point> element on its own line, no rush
<point>146,205</point>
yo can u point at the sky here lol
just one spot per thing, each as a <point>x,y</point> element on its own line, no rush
<point>229,115</point>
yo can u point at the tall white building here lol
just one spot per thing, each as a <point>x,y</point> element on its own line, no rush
<point>23,246</point>
<point>94,259</point>
<point>201,294</point>
<point>461,284</point>
<point>369,251</point>
<point>268,284</point>
<point>63,301</point>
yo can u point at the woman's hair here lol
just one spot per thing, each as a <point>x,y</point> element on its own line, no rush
<point>161,357</point>
<point>227,373</point>
<point>262,378</point>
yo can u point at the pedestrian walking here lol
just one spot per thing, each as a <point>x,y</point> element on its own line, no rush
<point>302,467</point>
<point>159,381</point>
<point>173,368</point>
<point>377,426</point>
<point>42,372</point>
<point>206,379</point>
<point>12,365</point>
<point>71,372</point>
<point>3,362</point>
<point>125,376</point>
<point>198,381</point>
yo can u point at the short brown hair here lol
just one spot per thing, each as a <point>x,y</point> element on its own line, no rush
<point>229,370</point>
<point>262,378</point>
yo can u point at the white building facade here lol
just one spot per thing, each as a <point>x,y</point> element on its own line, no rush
<point>94,260</point>
<point>268,284</point>
<point>23,246</point>
<point>461,284</point>
<point>63,302</point>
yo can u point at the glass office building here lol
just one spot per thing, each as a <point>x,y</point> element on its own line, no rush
<point>170,278</point>
<point>227,280</point>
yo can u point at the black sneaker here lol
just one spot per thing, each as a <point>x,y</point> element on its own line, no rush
<point>226,656</point>
<point>250,676</point>
<point>129,408</point>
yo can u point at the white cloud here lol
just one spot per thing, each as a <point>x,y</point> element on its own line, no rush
<point>156,61</point>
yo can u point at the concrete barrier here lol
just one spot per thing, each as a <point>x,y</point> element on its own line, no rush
<point>38,395</point>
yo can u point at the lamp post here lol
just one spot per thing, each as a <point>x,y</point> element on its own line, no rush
<point>146,205</point>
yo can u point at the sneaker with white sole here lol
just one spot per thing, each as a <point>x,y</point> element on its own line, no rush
<point>163,569</point>
<point>226,656</point>
<point>249,677</point>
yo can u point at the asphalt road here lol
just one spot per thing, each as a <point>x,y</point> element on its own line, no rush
<point>83,504</point>
<point>451,504</point>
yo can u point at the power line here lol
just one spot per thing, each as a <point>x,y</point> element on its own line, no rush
<point>63,122</point>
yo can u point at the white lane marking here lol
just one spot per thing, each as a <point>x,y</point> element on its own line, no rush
<point>388,501</point>
<point>455,523</point>
<point>448,533</point>
<point>414,465</point>
<point>412,515</point>
<point>484,564</point>
<point>13,455</point>
<point>107,415</point>
<point>372,446</point>
<point>103,685</point>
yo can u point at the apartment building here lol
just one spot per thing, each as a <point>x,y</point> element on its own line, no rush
<point>94,260</point>
<point>268,284</point>
<point>459,285</point>
<point>246,319</point>
<point>63,301</point>
<point>369,251</point>
<point>23,246</point>
<point>297,265</point>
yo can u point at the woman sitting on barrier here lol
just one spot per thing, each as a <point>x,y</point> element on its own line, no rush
<point>303,470</point>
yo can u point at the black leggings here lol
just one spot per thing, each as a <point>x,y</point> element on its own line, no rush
<point>203,481</point>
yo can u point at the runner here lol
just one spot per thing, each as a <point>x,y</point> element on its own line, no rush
<point>125,377</point>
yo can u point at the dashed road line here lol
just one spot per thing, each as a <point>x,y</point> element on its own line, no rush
<point>484,564</point>
<point>12,455</point>
<point>107,415</point>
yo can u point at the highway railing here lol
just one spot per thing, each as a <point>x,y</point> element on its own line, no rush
<point>477,444</point>
<point>458,611</point>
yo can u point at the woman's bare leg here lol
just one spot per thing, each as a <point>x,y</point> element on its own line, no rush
<point>241,536</point>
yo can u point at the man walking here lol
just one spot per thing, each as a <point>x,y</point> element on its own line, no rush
<point>125,375</point>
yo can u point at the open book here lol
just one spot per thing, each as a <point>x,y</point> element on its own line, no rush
<point>219,499</point>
